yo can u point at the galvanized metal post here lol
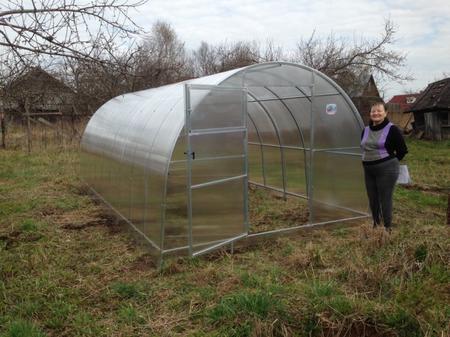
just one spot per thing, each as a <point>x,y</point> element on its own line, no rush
<point>311,155</point>
<point>245,147</point>
<point>187,127</point>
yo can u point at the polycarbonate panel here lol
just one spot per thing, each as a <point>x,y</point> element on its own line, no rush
<point>216,108</point>
<point>273,167</point>
<point>274,74</point>
<point>290,92</point>
<point>260,93</point>
<point>255,167</point>
<point>338,183</point>
<point>335,124</point>
<point>323,86</point>
<point>220,144</point>
<point>263,123</point>
<point>253,136</point>
<point>207,170</point>
<point>285,123</point>
<point>217,213</point>
<point>301,110</point>
<point>176,217</point>
<point>296,165</point>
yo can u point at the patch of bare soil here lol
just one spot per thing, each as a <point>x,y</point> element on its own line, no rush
<point>83,220</point>
<point>427,188</point>
<point>145,262</point>
<point>14,238</point>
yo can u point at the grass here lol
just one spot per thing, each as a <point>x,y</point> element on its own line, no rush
<point>67,270</point>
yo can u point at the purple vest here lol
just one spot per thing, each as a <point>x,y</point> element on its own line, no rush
<point>373,143</point>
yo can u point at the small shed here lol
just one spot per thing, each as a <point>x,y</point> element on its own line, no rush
<point>175,162</point>
<point>432,111</point>
<point>398,108</point>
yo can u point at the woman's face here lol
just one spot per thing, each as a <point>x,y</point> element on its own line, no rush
<point>377,114</point>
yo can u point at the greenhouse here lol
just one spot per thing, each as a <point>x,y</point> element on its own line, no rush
<point>176,162</point>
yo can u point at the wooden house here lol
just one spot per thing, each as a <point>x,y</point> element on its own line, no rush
<point>363,93</point>
<point>432,111</point>
<point>39,92</point>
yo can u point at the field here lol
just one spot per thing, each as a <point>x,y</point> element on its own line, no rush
<point>67,269</point>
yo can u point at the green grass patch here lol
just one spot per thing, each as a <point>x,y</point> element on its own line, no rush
<point>129,315</point>
<point>420,198</point>
<point>23,329</point>
<point>244,305</point>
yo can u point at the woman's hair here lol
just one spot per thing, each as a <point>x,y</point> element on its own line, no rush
<point>379,102</point>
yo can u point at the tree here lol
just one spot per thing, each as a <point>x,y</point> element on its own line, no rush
<point>345,61</point>
<point>70,28</point>
<point>161,59</point>
<point>209,59</point>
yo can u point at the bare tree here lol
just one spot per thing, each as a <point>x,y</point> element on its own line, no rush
<point>270,52</point>
<point>209,59</point>
<point>158,60</point>
<point>161,59</point>
<point>345,61</point>
<point>205,59</point>
<point>69,28</point>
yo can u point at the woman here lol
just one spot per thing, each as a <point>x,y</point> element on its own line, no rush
<point>383,146</point>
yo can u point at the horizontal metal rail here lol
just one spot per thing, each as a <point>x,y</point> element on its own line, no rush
<point>223,243</point>
<point>249,236</point>
<point>312,225</point>
<point>177,249</point>
<point>342,153</point>
<point>338,150</point>
<point>305,197</point>
<point>278,190</point>
<point>238,156</point>
<point>280,146</point>
<point>256,99</point>
<point>220,181</point>
<point>213,87</point>
<point>199,132</point>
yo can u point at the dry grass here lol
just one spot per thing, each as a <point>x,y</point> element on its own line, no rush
<point>68,269</point>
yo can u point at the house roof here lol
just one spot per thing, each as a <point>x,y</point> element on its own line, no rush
<point>405,101</point>
<point>361,86</point>
<point>435,97</point>
<point>36,80</point>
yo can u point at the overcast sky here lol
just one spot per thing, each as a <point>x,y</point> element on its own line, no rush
<point>423,26</point>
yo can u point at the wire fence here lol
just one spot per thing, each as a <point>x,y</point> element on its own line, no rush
<point>40,131</point>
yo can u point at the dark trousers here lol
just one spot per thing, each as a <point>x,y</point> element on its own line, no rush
<point>380,182</point>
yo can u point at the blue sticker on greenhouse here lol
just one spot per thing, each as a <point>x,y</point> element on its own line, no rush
<point>331,109</point>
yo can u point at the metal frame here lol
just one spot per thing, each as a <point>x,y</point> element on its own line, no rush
<point>167,101</point>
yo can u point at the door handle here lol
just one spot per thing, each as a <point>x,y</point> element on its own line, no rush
<point>192,155</point>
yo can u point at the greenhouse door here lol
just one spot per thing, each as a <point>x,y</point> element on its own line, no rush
<point>216,153</point>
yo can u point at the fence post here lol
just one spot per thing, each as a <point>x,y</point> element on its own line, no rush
<point>62,128</point>
<point>27,113</point>
<point>3,128</point>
